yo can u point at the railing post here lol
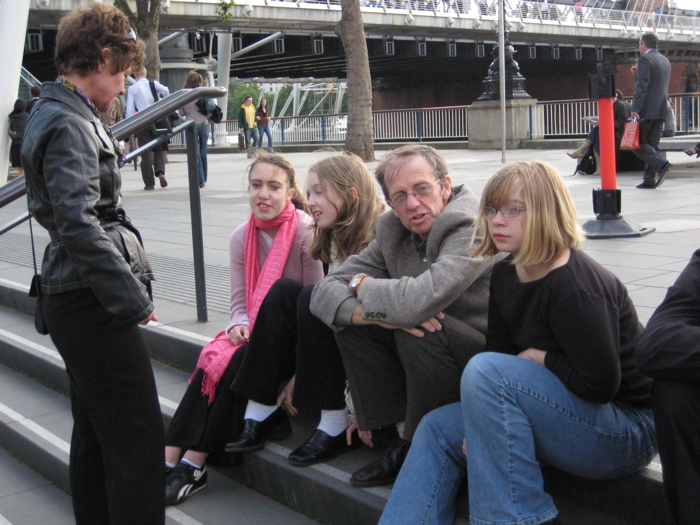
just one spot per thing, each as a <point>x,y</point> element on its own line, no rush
<point>419,124</point>
<point>282,131</point>
<point>687,115</point>
<point>196,217</point>
<point>323,130</point>
<point>530,116</point>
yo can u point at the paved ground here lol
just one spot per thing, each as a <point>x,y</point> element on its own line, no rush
<point>647,265</point>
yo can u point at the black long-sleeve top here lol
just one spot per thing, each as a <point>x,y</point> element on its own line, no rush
<point>582,316</point>
<point>669,348</point>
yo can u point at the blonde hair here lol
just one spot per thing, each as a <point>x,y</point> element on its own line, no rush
<point>357,218</point>
<point>390,162</point>
<point>551,223</point>
<point>282,163</point>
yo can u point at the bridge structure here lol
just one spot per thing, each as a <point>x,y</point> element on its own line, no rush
<point>423,47</point>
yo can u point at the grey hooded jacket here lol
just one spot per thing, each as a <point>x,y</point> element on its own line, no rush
<point>407,289</point>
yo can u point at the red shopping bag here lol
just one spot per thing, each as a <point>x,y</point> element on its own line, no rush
<point>630,139</point>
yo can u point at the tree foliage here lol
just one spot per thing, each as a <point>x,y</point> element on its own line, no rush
<point>145,21</point>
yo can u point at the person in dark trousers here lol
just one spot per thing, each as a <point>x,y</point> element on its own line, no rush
<point>272,245</point>
<point>18,122</point>
<point>95,276</point>
<point>409,311</point>
<point>621,112</point>
<point>292,345</point>
<point>652,74</point>
<point>669,352</point>
<point>247,124</point>
<point>141,95</point>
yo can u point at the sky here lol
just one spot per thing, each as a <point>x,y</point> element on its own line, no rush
<point>687,4</point>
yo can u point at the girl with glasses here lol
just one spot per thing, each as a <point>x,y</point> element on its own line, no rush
<point>557,384</point>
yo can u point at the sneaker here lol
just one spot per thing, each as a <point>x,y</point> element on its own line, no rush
<point>184,481</point>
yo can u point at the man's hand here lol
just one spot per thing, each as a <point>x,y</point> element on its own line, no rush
<point>287,395</point>
<point>239,334</point>
<point>633,69</point>
<point>634,114</point>
<point>429,325</point>
<point>533,354</point>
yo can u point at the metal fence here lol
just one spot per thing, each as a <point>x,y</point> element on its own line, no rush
<point>562,118</point>
<point>636,16</point>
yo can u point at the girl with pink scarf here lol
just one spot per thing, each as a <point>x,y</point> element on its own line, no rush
<point>290,345</point>
<point>272,244</point>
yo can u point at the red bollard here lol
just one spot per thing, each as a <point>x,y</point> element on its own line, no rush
<point>606,137</point>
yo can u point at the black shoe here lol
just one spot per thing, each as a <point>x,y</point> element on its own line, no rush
<point>256,433</point>
<point>385,437</point>
<point>662,174</point>
<point>184,481</point>
<point>382,471</point>
<point>318,448</point>
<point>645,186</point>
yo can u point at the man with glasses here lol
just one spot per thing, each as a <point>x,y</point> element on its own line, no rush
<point>410,310</point>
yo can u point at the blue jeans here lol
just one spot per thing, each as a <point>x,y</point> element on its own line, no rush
<point>266,131</point>
<point>202,132</point>
<point>514,414</point>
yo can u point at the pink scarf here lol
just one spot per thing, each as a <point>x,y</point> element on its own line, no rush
<point>216,355</point>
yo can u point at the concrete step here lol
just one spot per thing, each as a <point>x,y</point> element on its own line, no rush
<point>321,491</point>
<point>26,498</point>
<point>35,426</point>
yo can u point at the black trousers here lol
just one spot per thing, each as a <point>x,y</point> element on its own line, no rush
<point>288,339</point>
<point>395,376</point>
<point>650,131</point>
<point>151,160</point>
<point>116,456</point>
<point>203,427</point>
<point>676,409</point>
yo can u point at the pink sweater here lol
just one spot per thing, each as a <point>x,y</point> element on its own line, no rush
<point>300,266</point>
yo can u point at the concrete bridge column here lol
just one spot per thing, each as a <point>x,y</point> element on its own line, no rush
<point>13,28</point>
<point>485,123</point>
<point>223,78</point>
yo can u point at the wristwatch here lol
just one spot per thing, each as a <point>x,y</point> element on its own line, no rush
<point>355,282</point>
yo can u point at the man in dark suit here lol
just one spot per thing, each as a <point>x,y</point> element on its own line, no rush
<point>653,72</point>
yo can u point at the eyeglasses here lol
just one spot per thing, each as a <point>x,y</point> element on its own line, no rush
<point>421,191</point>
<point>509,212</point>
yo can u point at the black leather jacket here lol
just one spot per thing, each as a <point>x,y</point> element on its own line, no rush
<point>73,190</point>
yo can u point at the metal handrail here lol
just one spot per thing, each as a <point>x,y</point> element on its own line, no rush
<point>161,109</point>
<point>127,127</point>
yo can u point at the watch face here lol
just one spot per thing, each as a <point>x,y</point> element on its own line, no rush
<point>355,281</point>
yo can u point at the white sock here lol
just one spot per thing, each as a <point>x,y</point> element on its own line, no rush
<point>400,427</point>
<point>171,465</point>
<point>333,422</point>
<point>188,462</point>
<point>258,412</point>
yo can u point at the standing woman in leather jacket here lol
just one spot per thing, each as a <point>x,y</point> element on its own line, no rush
<point>95,274</point>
